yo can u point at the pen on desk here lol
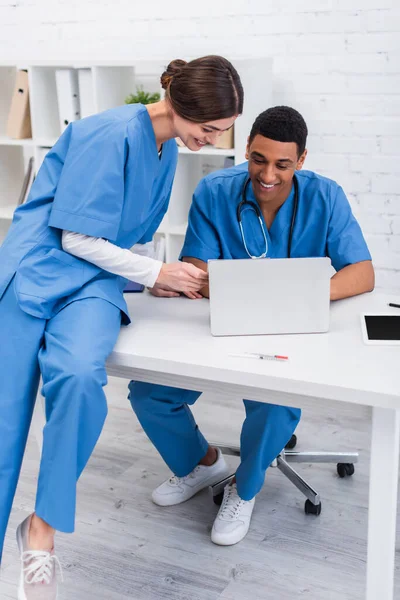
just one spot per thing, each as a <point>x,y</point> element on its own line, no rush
<point>394,305</point>
<point>261,356</point>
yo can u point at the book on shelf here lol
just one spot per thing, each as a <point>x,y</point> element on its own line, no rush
<point>27,182</point>
<point>19,118</point>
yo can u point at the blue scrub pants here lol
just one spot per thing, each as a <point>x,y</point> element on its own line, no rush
<point>69,351</point>
<point>166,418</point>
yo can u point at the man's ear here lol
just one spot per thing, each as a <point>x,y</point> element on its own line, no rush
<point>301,160</point>
<point>247,149</point>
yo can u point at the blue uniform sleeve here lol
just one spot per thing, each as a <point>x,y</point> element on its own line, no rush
<point>90,193</point>
<point>201,241</point>
<point>345,243</point>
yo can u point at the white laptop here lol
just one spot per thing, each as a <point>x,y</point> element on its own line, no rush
<point>269,296</point>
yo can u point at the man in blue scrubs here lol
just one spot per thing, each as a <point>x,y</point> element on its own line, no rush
<point>324,226</point>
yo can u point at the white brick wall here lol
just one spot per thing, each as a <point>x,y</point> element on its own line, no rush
<point>337,61</point>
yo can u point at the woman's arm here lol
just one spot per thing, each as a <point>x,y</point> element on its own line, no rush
<point>98,251</point>
<point>141,269</point>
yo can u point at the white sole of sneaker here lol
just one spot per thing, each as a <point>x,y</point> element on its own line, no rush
<point>167,502</point>
<point>21,592</point>
<point>231,541</point>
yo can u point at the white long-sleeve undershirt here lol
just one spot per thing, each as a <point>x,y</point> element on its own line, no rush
<point>135,265</point>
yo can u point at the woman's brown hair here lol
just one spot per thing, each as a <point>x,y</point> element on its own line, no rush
<point>204,89</point>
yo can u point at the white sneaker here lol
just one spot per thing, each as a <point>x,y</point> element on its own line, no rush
<point>38,579</point>
<point>179,489</point>
<point>233,518</point>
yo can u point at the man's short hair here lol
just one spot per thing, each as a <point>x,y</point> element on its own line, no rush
<point>282,124</point>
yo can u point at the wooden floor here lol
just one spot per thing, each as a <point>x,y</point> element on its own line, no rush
<point>126,547</point>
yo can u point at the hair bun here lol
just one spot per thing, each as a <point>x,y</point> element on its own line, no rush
<point>173,69</point>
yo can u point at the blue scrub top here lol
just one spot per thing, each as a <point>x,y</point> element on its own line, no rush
<point>102,178</point>
<point>324,226</point>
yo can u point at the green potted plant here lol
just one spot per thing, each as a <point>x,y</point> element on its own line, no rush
<point>142,97</point>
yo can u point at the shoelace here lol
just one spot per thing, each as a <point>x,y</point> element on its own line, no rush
<point>174,480</point>
<point>38,566</point>
<point>230,505</point>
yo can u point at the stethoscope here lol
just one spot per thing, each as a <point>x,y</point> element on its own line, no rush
<point>254,206</point>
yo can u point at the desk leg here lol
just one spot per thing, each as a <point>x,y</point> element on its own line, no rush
<point>382,509</point>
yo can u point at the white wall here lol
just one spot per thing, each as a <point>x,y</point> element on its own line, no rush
<point>337,61</point>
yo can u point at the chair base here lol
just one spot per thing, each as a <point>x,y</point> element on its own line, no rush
<point>344,460</point>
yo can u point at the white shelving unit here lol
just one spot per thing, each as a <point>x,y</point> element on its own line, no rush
<point>109,84</point>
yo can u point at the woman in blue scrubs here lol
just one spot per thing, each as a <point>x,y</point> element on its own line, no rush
<point>104,187</point>
<point>323,226</point>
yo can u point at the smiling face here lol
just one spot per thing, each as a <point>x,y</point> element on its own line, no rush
<point>271,168</point>
<point>197,135</point>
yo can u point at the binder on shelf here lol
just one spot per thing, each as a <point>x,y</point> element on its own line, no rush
<point>27,183</point>
<point>19,118</point>
<point>68,96</point>
<point>86,95</point>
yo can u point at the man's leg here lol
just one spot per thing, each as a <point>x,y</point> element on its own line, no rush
<point>166,418</point>
<point>265,432</point>
<point>164,414</point>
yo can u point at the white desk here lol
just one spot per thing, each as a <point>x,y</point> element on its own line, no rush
<point>169,342</point>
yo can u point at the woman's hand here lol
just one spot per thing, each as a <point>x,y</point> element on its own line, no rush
<point>180,277</point>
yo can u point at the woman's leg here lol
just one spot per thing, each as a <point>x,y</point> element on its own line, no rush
<point>78,341</point>
<point>21,336</point>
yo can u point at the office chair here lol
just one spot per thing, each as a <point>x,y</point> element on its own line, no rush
<point>345,468</point>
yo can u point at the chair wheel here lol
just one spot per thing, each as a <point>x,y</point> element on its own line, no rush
<point>312,509</point>
<point>345,469</point>
<point>218,499</point>
<point>291,443</point>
